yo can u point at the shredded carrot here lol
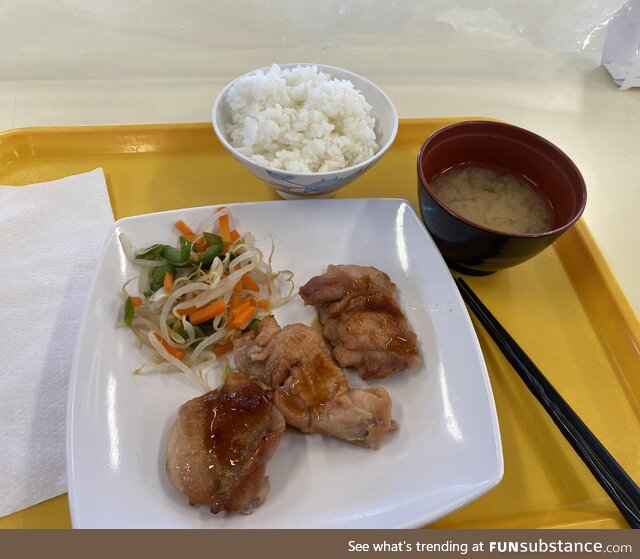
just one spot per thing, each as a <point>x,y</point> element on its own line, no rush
<point>167,282</point>
<point>234,235</point>
<point>208,312</point>
<point>188,310</point>
<point>235,300</point>
<point>249,283</point>
<point>177,353</point>
<point>263,303</point>
<point>242,316</point>
<point>185,230</point>
<point>136,301</point>
<point>225,232</point>
<point>200,244</point>
<point>238,286</point>
<point>240,307</point>
<point>221,349</point>
<point>243,302</point>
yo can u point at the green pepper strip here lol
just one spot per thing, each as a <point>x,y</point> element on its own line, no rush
<point>150,253</point>
<point>254,325</point>
<point>214,249</point>
<point>129,312</point>
<point>177,257</point>
<point>213,239</point>
<point>178,328</point>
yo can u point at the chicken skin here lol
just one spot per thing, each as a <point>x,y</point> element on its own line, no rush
<point>362,320</point>
<point>309,389</point>
<point>220,444</point>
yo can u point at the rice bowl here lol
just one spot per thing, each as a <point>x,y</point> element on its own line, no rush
<point>341,140</point>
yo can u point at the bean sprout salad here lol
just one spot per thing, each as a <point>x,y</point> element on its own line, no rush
<point>194,299</point>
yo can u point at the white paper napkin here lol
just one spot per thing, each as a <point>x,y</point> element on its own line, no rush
<point>621,50</point>
<point>51,234</point>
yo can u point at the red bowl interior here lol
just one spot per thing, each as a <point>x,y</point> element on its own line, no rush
<point>513,149</point>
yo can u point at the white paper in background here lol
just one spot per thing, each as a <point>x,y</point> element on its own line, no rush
<point>621,51</point>
<point>52,235</point>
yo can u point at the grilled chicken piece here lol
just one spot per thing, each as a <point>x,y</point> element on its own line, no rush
<point>220,444</point>
<point>309,389</point>
<point>362,320</point>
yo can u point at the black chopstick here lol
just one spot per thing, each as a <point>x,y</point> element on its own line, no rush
<point>624,492</point>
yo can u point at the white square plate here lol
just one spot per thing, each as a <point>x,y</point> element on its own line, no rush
<point>446,453</point>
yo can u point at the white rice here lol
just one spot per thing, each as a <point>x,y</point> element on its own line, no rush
<point>300,120</point>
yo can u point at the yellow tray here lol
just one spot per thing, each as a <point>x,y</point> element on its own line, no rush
<point>564,307</point>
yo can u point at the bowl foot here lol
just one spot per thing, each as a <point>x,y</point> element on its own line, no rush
<point>468,271</point>
<point>289,196</point>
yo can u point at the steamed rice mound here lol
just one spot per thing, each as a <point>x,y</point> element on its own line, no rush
<point>300,119</point>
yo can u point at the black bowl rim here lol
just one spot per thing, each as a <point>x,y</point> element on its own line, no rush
<point>533,136</point>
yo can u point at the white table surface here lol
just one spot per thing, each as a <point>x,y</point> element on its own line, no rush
<point>566,97</point>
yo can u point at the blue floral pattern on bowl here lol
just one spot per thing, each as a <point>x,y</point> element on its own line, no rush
<point>295,184</point>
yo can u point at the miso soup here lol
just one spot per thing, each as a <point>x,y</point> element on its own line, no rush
<point>494,198</point>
